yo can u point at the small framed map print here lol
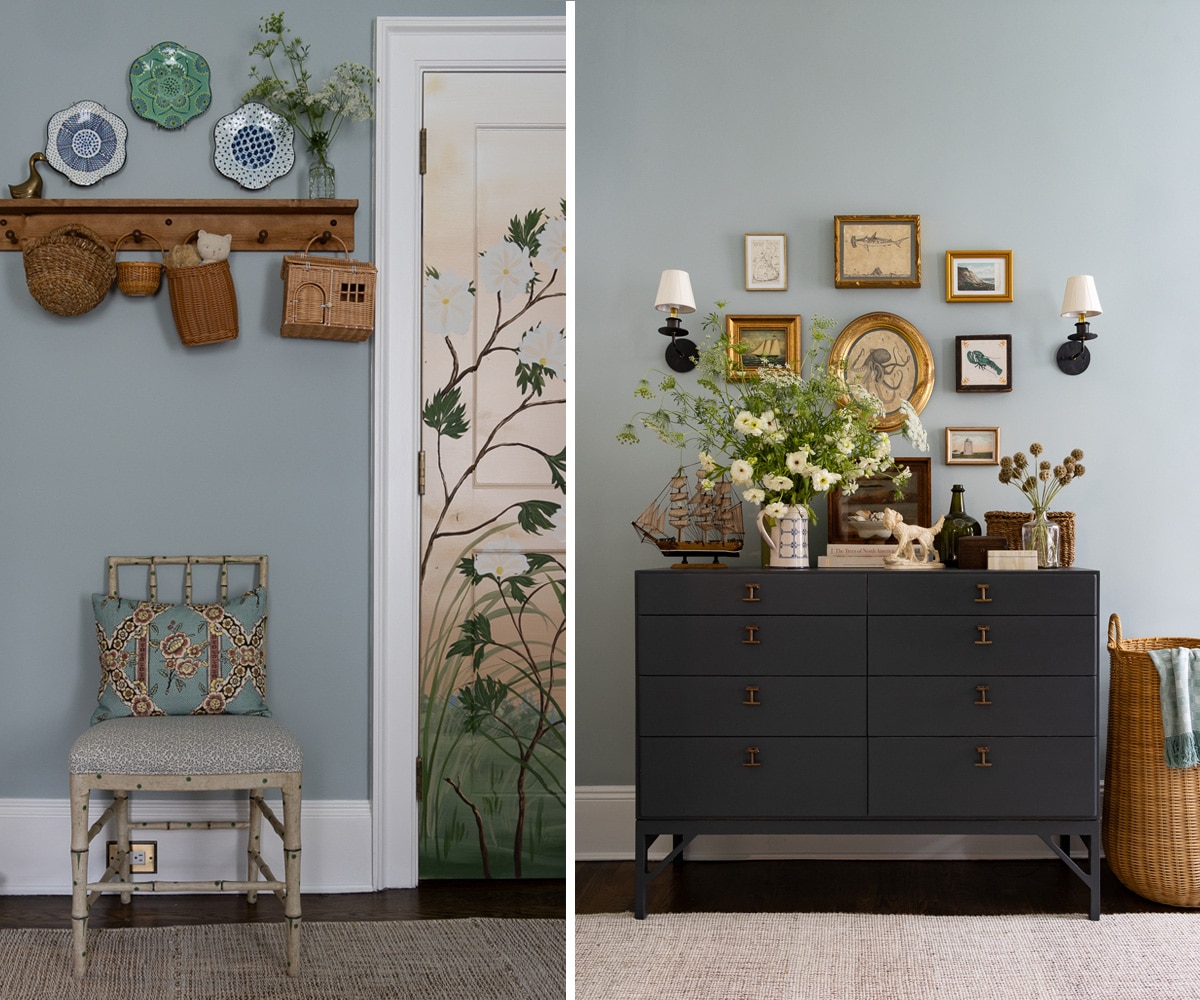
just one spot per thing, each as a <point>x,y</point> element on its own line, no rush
<point>766,262</point>
<point>983,364</point>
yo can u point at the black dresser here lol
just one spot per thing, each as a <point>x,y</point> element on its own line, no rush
<point>867,701</point>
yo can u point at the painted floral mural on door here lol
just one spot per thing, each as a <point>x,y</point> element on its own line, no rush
<point>493,574</point>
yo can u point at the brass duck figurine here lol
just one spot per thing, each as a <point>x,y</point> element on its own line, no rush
<point>31,188</point>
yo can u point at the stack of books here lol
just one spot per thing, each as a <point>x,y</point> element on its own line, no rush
<point>860,554</point>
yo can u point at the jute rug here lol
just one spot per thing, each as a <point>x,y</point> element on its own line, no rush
<point>842,956</point>
<point>435,959</point>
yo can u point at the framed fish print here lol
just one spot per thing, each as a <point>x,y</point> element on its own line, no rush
<point>766,262</point>
<point>972,445</point>
<point>983,364</point>
<point>877,251</point>
<point>979,276</point>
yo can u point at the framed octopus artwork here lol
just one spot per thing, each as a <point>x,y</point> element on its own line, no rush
<point>888,357</point>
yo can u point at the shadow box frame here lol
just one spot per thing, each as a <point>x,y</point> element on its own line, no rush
<point>875,493</point>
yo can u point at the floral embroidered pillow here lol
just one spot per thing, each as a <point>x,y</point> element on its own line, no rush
<point>181,659</point>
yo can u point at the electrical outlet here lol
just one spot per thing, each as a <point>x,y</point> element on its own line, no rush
<point>143,856</point>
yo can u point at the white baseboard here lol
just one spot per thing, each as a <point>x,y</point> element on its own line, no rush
<point>36,842</point>
<point>604,831</point>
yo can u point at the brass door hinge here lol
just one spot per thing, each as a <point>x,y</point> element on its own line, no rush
<point>421,472</point>
<point>421,155</point>
<point>420,779</point>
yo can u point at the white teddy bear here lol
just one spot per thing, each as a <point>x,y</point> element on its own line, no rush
<point>212,247</point>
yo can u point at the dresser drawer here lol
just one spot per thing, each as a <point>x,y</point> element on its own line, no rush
<point>752,706</point>
<point>750,643</point>
<point>959,592</point>
<point>982,643</point>
<point>710,777</point>
<point>956,706</point>
<point>1029,778</point>
<point>765,592</point>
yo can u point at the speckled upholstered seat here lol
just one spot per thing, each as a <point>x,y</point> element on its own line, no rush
<point>171,674</point>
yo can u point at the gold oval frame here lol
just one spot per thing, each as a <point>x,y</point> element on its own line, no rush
<point>892,327</point>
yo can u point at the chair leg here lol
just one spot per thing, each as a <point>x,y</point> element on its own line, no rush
<point>253,842</point>
<point>80,795</point>
<point>291,867</point>
<point>121,802</point>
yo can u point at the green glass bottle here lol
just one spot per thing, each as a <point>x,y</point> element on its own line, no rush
<point>958,524</point>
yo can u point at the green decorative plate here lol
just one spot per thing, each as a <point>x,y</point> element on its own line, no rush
<point>169,85</point>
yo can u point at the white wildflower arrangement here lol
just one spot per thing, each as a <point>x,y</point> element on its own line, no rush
<point>1042,484</point>
<point>316,112</point>
<point>783,437</point>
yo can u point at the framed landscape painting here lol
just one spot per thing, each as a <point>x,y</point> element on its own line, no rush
<point>979,276</point>
<point>972,445</point>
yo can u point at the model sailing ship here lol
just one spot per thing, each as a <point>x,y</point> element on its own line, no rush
<point>702,522</point>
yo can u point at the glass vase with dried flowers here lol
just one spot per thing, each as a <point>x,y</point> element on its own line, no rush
<point>1040,485</point>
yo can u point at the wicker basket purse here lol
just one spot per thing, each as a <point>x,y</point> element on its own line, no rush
<point>327,298</point>
<point>1007,524</point>
<point>1151,825</point>
<point>139,277</point>
<point>69,270</point>
<point>203,302</point>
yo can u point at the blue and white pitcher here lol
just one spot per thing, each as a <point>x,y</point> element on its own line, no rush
<point>787,539</point>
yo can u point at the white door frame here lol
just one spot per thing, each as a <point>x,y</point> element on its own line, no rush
<point>405,49</point>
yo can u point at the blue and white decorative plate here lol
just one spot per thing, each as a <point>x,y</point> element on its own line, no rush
<point>86,142</point>
<point>254,146</point>
<point>169,85</point>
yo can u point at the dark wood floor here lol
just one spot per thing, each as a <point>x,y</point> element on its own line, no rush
<point>929,887</point>
<point>432,900</point>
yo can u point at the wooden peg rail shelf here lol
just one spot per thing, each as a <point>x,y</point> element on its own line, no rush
<point>256,223</point>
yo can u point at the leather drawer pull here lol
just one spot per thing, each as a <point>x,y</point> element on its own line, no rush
<point>752,639</point>
<point>983,593</point>
<point>751,691</point>
<point>983,639</point>
<point>983,690</point>
<point>753,761</point>
<point>752,593</point>
<point>983,761</point>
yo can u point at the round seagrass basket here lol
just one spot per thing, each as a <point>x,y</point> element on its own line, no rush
<point>1151,824</point>
<point>69,270</point>
<point>1007,524</point>
<point>139,277</point>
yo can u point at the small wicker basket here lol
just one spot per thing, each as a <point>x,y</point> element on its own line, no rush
<point>1151,825</point>
<point>69,270</point>
<point>203,302</point>
<point>139,277</point>
<point>1007,524</point>
<point>327,298</point>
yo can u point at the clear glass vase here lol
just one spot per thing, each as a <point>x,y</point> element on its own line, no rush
<point>1042,535</point>
<point>320,176</point>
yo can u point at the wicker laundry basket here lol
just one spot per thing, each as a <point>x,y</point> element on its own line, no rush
<point>1151,826</point>
<point>1007,524</point>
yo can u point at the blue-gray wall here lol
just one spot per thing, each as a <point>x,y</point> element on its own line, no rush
<point>1064,131</point>
<point>116,439</point>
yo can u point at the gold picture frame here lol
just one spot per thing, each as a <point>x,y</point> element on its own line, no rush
<point>766,262</point>
<point>888,357</point>
<point>877,251</point>
<point>979,276</point>
<point>876,493</point>
<point>758,341</point>
<point>972,445</point>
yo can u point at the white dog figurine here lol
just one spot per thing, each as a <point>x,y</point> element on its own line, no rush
<point>909,539</point>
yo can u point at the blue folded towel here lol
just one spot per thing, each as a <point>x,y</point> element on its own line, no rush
<point>1179,670</point>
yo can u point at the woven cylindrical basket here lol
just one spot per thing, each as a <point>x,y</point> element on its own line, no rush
<point>139,277</point>
<point>69,270</point>
<point>1151,825</point>
<point>1007,524</point>
<point>203,302</point>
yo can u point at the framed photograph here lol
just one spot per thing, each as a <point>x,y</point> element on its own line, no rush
<point>972,445</point>
<point>979,276</point>
<point>755,341</point>
<point>876,493</point>
<point>983,364</point>
<point>877,251</point>
<point>766,262</point>
<point>887,356</point>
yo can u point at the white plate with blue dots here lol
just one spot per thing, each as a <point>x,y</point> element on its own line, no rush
<point>254,146</point>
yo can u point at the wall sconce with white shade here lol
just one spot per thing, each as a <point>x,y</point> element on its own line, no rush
<point>1081,301</point>
<point>675,297</point>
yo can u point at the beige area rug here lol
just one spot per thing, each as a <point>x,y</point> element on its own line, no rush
<point>435,959</point>
<point>846,956</point>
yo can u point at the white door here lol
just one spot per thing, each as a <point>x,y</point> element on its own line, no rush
<point>486,405</point>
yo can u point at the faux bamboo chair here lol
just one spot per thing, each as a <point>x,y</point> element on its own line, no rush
<point>148,748</point>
